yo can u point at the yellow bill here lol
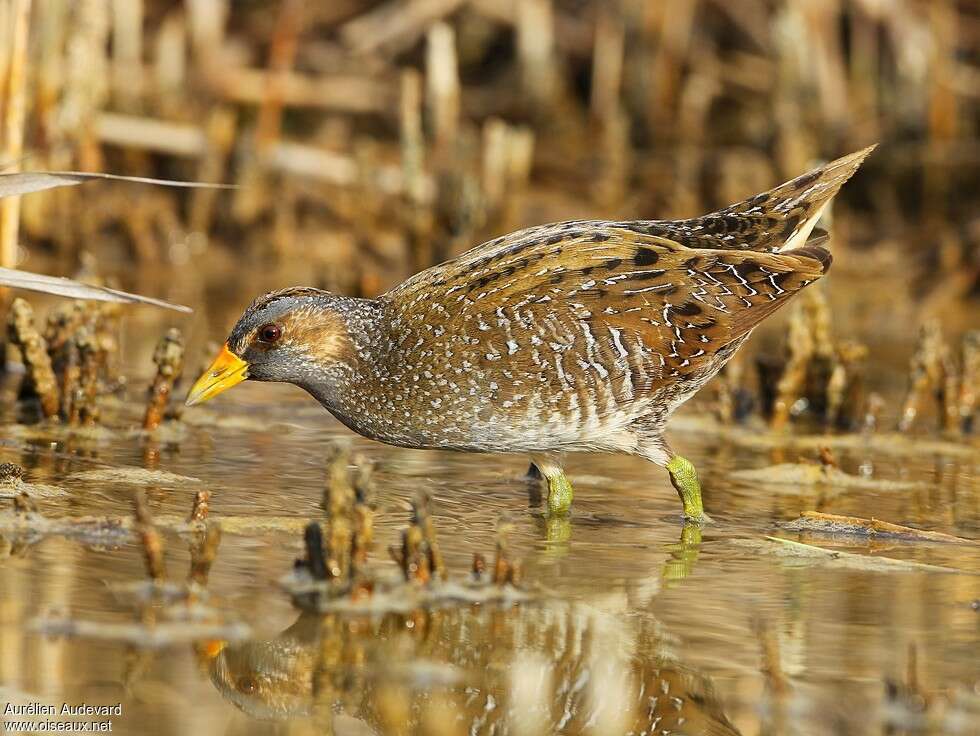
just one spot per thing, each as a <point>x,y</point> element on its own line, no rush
<point>226,371</point>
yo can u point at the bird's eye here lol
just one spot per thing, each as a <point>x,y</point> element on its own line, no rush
<point>270,333</point>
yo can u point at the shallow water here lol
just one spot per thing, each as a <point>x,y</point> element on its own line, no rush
<point>631,616</point>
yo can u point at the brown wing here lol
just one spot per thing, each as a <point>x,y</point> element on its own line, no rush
<point>611,302</point>
<point>778,220</point>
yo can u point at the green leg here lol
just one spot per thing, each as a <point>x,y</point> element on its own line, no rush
<point>684,478</point>
<point>557,522</point>
<point>559,487</point>
<point>559,494</point>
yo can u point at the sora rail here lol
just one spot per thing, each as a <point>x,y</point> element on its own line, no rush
<point>581,336</point>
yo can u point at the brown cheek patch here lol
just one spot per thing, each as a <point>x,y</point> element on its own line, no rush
<point>326,340</point>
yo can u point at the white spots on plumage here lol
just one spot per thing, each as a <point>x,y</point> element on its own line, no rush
<point>618,342</point>
<point>582,377</point>
<point>589,337</point>
<point>626,385</point>
<point>748,287</point>
<point>560,368</point>
<point>646,289</point>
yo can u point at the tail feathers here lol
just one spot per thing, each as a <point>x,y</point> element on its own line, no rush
<point>800,203</point>
<point>815,247</point>
<point>778,220</point>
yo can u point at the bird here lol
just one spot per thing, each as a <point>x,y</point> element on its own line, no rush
<point>583,335</point>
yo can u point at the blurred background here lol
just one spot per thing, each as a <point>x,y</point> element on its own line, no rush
<point>371,139</point>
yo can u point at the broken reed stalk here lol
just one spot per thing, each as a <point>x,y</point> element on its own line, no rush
<point>424,515</point>
<point>169,358</point>
<point>282,54</point>
<point>417,214</point>
<point>150,539</point>
<point>69,375</point>
<point>24,504</point>
<point>34,349</point>
<point>419,556</point>
<point>363,515</point>
<point>927,370</point>
<point>793,379</point>
<point>608,116</point>
<point>15,104</point>
<point>504,570</point>
<point>61,325</point>
<point>220,134</point>
<point>535,50</point>
<point>413,557</point>
<point>90,365</point>
<point>442,91</point>
<point>394,26</point>
<point>315,562</point>
<point>201,507</point>
<point>127,53</point>
<point>949,394</point>
<point>338,501</point>
<point>479,567</point>
<point>845,387</point>
<point>969,381</point>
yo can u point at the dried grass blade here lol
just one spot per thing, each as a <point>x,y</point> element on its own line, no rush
<point>77,290</point>
<point>35,181</point>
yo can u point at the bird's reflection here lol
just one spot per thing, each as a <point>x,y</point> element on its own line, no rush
<point>585,667</point>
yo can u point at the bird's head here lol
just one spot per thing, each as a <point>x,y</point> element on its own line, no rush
<point>294,335</point>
